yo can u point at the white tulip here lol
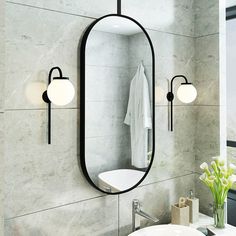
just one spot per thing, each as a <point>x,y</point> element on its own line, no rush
<point>204,166</point>
<point>203,176</point>
<point>213,164</point>
<point>224,182</point>
<point>215,158</point>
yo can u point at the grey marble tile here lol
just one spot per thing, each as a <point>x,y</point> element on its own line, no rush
<point>107,153</point>
<point>139,50</point>
<point>207,58</point>
<point>107,49</point>
<point>174,151</point>
<point>105,118</point>
<point>2,52</point>
<point>204,195</point>
<point>2,77</point>
<point>167,68</point>
<point>90,8</point>
<point>107,83</point>
<point>1,171</point>
<point>180,48</point>
<point>98,217</point>
<point>206,17</point>
<point>208,92</point>
<point>207,139</point>
<point>38,175</point>
<point>172,60</point>
<point>33,47</point>
<point>161,90</point>
<point>170,16</point>
<point>161,195</point>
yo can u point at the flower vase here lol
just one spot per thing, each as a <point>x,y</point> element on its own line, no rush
<point>219,215</point>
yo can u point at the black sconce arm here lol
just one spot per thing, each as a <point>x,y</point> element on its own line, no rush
<point>47,100</point>
<point>170,97</point>
<point>45,96</point>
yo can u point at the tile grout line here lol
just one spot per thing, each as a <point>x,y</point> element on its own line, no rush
<point>52,208</point>
<point>202,36</point>
<point>176,177</point>
<point>47,9</point>
<point>167,32</point>
<point>41,109</point>
<point>78,108</point>
<point>94,18</point>
<point>88,199</point>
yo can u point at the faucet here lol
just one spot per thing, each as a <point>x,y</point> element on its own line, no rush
<point>136,209</point>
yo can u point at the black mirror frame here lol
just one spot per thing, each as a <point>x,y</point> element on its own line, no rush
<point>82,102</point>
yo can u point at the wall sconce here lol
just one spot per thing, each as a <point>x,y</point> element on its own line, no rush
<point>60,92</point>
<point>186,93</point>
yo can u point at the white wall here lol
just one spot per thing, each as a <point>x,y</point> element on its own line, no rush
<point>230,3</point>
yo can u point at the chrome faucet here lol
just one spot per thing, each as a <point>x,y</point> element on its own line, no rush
<point>136,209</point>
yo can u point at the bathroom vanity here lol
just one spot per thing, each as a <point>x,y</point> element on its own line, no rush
<point>207,222</point>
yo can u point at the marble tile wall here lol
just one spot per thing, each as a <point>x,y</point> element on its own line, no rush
<point>142,55</point>
<point>2,173</point>
<point>2,53</point>
<point>2,76</point>
<point>107,93</point>
<point>207,79</point>
<point>45,192</point>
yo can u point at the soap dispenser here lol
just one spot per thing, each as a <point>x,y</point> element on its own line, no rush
<point>193,204</point>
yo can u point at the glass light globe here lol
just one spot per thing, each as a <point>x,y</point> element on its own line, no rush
<point>186,93</point>
<point>60,91</point>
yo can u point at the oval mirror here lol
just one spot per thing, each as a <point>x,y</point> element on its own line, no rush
<point>117,104</point>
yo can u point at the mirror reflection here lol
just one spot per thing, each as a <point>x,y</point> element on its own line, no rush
<point>118,104</point>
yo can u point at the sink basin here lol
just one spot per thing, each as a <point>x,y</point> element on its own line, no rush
<point>119,180</point>
<point>167,230</point>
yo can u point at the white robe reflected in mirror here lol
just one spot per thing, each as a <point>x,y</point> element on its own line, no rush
<point>138,117</point>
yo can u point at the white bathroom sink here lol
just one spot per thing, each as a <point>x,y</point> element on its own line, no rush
<point>167,230</point>
<point>119,180</point>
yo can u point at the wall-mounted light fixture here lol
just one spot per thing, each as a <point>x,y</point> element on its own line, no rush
<point>186,93</point>
<point>60,92</point>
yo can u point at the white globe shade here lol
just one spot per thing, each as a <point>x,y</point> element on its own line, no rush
<point>60,92</point>
<point>186,93</point>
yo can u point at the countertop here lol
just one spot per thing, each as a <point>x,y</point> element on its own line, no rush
<point>207,222</point>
